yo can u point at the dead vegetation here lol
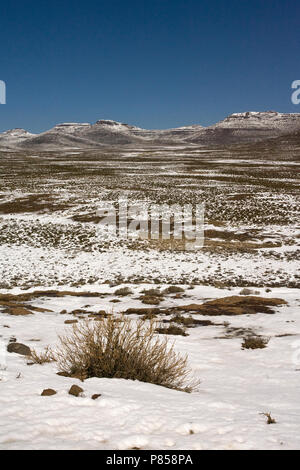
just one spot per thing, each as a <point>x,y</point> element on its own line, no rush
<point>123,291</point>
<point>119,349</point>
<point>43,357</point>
<point>232,305</point>
<point>255,342</point>
<point>270,420</point>
<point>171,330</point>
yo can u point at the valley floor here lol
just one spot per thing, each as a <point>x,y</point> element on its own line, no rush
<point>50,241</point>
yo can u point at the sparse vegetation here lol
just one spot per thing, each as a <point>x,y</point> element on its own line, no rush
<point>118,349</point>
<point>270,420</point>
<point>43,357</point>
<point>255,342</point>
<point>123,291</point>
<point>171,330</point>
<point>173,290</point>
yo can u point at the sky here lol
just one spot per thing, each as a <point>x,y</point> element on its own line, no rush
<point>155,63</point>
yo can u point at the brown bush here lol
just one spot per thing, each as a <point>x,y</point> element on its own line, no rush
<point>171,330</point>
<point>173,290</point>
<point>123,291</point>
<point>255,342</point>
<point>43,357</point>
<point>121,349</point>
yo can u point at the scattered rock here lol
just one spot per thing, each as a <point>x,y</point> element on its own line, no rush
<point>19,348</point>
<point>75,390</point>
<point>48,392</point>
<point>95,396</point>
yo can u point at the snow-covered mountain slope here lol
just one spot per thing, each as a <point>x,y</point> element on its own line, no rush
<point>247,127</point>
<point>14,137</point>
<point>236,128</point>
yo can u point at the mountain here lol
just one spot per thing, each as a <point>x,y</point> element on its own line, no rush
<point>237,128</point>
<point>14,137</point>
<point>248,127</point>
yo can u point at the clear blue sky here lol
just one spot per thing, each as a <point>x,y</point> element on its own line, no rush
<point>155,63</point>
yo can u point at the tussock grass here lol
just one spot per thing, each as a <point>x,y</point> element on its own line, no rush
<point>123,349</point>
<point>123,291</point>
<point>255,342</point>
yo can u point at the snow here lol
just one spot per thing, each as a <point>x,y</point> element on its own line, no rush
<point>236,386</point>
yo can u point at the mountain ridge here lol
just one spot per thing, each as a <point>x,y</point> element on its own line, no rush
<point>235,128</point>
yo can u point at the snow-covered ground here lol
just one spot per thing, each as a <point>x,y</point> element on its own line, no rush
<point>49,241</point>
<point>236,386</point>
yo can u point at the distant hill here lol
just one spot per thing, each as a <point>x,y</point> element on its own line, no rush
<point>237,128</point>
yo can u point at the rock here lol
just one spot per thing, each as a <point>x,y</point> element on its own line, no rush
<point>95,396</point>
<point>75,390</point>
<point>48,392</point>
<point>70,322</point>
<point>19,348</point>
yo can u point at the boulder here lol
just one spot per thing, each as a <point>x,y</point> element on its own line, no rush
<point>19,348</point>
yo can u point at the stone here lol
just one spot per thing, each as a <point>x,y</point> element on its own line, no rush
<point>48,392</point>
<point>95,396</point>
<point>75,390</point>
<point>19,348</point>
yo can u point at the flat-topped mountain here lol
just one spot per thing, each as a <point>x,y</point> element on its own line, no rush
<point>237,128</point>
<point>248,127</point>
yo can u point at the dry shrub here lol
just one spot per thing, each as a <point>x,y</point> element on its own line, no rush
<point>124,350</point>
<point>152,292</point>
<point>255,342</point>
<point>171,330</point>
<point>123,291</point>
<point>43,357</point>
<point>270,420</point>
<point>173,290</point>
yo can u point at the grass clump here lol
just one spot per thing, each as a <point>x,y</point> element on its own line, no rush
<point>152,292</point>
<point>269,418</point>
<point>149,300</point>
<point>123,349</point>
<point>173,290</point>
<point>255,342</point>
<point>43,357</point>
<point>123,291</point>
<point>171,330</point>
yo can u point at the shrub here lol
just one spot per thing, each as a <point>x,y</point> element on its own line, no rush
<point>117,349</point>
<point>149,300</point>
<point>152,292</point>
<point>173,290</point>
<point>171,330</point>
<point>123,291</point>
<point>42,357</point>
<point>270,420</point>
<point>255,342</point>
